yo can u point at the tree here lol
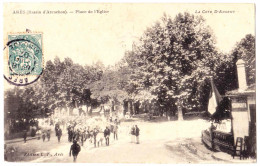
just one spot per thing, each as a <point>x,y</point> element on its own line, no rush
<point>245,49</point>
<point>174,59</point>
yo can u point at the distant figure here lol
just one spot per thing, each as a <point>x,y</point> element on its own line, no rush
<point>33,131</point>
<point>39,133</point>
<point>75,149</point>
<point>59,134</point>
<point>115,131</point>
<point>95,133</point>
<point>98,138</point>
<point>212,127</point>
<point>24,136</point>
<point>137,132</point>
<point>70,134</point>
<point>81,135</point>
<point>106,135</point>
<point>43,136</point>
<point>5,152</point>
<point>57,126</point>
<point>117,121</point>
<point>48,134</point>
<point>132,132</point>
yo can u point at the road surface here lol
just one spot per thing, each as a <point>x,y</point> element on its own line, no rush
<point>160,142</point>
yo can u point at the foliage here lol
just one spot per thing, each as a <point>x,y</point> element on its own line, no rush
<point>245,49</point>
<point>174,59</point>
<point>169,66</point>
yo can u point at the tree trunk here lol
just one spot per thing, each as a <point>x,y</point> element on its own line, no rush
<point>180,116</point>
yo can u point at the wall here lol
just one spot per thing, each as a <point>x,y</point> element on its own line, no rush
<point>240,124</point>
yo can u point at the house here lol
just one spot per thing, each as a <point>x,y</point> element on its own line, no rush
<point>243,105</point>
<point>243,120</point>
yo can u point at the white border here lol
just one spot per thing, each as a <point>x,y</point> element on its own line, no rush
<point>112,1</point>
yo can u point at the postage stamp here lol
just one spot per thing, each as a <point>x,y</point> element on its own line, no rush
<point>24,58</point>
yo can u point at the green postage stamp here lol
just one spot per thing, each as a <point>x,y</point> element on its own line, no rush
<point>25,58</point>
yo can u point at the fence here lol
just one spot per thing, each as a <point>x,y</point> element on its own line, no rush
<point>219,141</point>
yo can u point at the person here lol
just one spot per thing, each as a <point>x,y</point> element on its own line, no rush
<point>57,126</point>
<point>137,132</point>
<point>117,121</point>
<point>48,134</point>
<point>24,136</point>
<point>76,135</point>
<point>132,134</point>
<point>115,131</point>
<point>211,129</point>
<point>106,135</point>
<point>33,131</point>
<point>43,136</point>
<point>74,150</point>
<point>5,152</point>
<point>59,134</point>
<point>39,133</point>
<point>81,135</point>
<point>95,133</point>
<point>70,134</point>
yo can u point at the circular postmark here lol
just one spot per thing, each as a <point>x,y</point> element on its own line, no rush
<point>23,59</point>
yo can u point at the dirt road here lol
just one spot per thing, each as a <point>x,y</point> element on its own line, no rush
<point>160,142</point>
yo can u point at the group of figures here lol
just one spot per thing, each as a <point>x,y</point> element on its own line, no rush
<point>91,132</point>
<point>79,135</point>
<point>94,134</point>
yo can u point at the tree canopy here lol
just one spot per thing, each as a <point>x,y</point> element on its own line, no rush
<point>169,66</point>
<point>174,60</point>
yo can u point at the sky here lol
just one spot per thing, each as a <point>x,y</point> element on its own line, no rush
<point>87,38</point>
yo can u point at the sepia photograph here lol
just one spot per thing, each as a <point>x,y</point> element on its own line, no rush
<point>139,83</point>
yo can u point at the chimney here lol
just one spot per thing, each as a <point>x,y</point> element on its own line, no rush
<point>241,74</point>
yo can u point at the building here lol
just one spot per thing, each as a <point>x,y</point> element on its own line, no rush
<point>243,104</point>
<point>243,120</point>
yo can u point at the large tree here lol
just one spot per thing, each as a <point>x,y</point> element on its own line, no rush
<point>174,60</point>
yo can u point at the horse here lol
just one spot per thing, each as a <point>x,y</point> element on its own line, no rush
<point>99,138</point>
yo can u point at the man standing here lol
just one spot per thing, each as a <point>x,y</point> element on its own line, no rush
<point>132,134</point>
<point>59,134</point>
<point>106,135</point>
<point>24,136</point>
<point>75,149</point>
<point>57,126</point>
<point>81,137</point>
<point>69,133</point>
<point>43,136</point>
<point>115,131</point>
<point>95,133</point>
<point>137,132</point>
<point>48,134</point>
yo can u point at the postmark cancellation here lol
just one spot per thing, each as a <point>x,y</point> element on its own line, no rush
<point>23,58</point>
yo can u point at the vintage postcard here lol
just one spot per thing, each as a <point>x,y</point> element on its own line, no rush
<point>158,83</point>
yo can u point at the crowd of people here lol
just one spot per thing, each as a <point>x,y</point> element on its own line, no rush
<point>79,133</point>
<point>83,132</point>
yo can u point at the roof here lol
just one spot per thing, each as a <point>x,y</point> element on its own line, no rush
<point>250,90</point>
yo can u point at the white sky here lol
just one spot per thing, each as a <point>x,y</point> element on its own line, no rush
<point>87,38</point>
